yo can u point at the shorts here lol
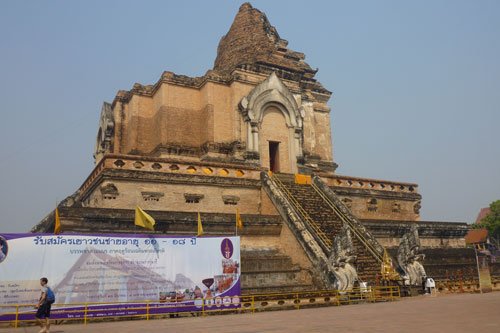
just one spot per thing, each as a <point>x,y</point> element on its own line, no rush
<point>43,311</point>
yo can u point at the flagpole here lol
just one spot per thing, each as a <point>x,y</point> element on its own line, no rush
<point>57,221</point>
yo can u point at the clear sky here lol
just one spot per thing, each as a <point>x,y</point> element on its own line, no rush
<point>416,88</point>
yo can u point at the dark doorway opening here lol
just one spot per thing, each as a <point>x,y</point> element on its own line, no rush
<point>274,156</point>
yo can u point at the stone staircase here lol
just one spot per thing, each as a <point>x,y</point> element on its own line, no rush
<point>367,266</point>
<point>330,224</point>
<point>267,271</point>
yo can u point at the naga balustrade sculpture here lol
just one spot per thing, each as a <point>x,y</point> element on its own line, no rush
<point>342,260</point>
<point>409,258</point>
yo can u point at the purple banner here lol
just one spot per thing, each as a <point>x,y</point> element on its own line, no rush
<point>115,274</point>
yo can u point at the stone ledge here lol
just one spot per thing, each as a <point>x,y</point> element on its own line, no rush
<point>382,194</point>
<point>171,178</point>
<point>397,228</point>
<point>104,220</point>
<point>170,166</point>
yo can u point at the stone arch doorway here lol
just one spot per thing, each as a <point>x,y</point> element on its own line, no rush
<point>274,141</point>
<point>274,156</point>
<point>273,124</point>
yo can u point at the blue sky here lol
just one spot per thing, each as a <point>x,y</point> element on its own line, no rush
<point>415,88</point>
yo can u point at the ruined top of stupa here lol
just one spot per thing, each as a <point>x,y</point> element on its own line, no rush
<point>253,40</point>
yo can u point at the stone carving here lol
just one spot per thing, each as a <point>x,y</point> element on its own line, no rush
<point>230,199</point>
<point>409,258</point>
<point>152,196</point>
<point>342,260</point>
<point>109,191</point>
<point>138,164</point>
<point>238,150</point>
<point>222,151</point>
<point>168,149</point>
<point>372,205</point>
<point>396,207</point>
<point>72,200</point>
<point>416,207</point>
<point>193,197</point>
<point>347,202</point>
<point>105,133</point>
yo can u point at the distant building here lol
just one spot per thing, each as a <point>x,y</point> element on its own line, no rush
<point>482,213</point>
<point>477,237</point>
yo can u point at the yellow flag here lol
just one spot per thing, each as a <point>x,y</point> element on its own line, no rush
<point>57,227</point>
<point>239,224</point>
<point>200,227</point>
<point>144,220</point>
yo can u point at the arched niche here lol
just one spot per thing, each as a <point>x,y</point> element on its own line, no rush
<point>275,146</point>
<point>104,140</point>
<point>272,94</point>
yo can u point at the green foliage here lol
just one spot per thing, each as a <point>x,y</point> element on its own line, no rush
<point>477,226</point>
<point>492,220</point>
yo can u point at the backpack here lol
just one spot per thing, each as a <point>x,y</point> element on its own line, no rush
<point>51,298</point>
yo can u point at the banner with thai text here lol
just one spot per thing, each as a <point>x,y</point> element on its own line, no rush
<point>168,274</point>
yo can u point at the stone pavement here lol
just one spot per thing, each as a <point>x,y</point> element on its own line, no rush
<point>450,313</point>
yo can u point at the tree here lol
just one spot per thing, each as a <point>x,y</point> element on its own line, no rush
<point>491,222</point>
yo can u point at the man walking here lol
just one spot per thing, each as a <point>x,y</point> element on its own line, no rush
<point>43,307</point>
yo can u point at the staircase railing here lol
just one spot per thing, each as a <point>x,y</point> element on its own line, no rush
<point>347,221</point>
<point>326,242</point>
<point>321,235</point>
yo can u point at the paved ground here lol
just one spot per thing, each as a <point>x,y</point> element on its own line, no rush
<point>451,313</point>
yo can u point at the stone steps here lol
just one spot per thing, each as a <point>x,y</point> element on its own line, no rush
<point>367,266</point>
<point>274,278</point>
<point>257,264</point>
<point>270,271</point>
<point>325,219</point>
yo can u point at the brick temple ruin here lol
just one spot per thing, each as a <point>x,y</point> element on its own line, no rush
<point>206,144</point>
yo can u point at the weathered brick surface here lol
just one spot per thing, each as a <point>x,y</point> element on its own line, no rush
<point>439,261</point>
<point>432,234</point>
<point>269,271</point>
<point>253,39</point>
<point>193,112</point>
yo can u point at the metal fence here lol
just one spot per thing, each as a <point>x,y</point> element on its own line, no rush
<point>84,312</point>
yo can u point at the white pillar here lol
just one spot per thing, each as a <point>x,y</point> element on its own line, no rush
<point>255,133</point>
<point>249,137</point>
<point>292,150</point>
<point>298,146</point>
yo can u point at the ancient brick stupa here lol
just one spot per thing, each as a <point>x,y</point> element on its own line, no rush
<point>205,144</point>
